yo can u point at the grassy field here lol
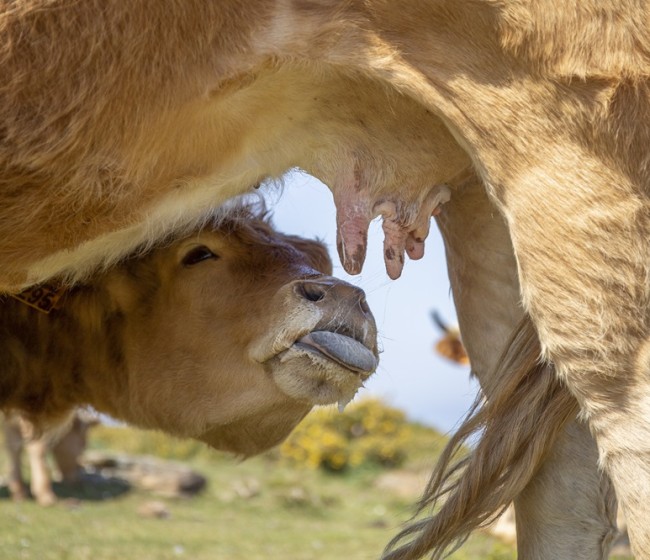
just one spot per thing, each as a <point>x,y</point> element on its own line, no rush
<point>256,509</point>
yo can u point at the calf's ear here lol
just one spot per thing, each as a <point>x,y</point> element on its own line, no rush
<point>315,251</point>
<point>122,291</point>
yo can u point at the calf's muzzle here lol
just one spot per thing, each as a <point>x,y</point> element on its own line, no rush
<point>332,291</point>
<point>346,332</point>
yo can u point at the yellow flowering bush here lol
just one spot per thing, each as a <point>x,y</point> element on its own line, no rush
<point>368,432</point>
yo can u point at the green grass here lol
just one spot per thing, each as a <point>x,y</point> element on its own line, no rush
<point>297,514</point>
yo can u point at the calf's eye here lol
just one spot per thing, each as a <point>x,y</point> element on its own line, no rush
<point>198,254</point>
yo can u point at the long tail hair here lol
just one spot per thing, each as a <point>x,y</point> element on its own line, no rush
<point>525,409</point>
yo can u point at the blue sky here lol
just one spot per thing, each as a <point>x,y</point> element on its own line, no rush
<point>410,376</point>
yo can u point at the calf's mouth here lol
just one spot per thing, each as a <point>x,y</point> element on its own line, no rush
<point>328,364</point>
<point>340,348</point>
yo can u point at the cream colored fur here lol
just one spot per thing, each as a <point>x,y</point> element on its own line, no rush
<point>111,111</point>
<point>567,509</point>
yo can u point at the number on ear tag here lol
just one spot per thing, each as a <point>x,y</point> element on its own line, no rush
<point>43,297</point>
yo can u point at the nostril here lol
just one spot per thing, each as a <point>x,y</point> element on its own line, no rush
<point>363,303</point>
<point>311,291</point>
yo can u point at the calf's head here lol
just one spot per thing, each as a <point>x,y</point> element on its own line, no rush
<point>232,334</point>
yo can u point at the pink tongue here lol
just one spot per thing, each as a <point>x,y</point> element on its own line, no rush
<point>342,349</point>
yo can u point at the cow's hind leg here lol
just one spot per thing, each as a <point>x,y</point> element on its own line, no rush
<point>567,511</point>
<point>581,236</point>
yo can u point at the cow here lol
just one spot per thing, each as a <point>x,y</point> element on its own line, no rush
<point>450,345</point>
<point>565,507</point>
<point>568,508</point>
<point>229,334</point>
<point>66,443</point>
<point>123,122</point>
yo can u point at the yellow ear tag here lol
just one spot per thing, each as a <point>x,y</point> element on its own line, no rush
<point>43,297</point>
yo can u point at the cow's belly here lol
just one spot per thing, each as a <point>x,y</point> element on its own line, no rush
<point>174,213</point>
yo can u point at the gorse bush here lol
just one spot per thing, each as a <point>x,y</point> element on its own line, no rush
<point>367,433</point>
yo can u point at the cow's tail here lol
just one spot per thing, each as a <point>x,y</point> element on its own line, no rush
<point>526,409</point>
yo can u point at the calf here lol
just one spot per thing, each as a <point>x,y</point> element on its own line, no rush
<point>228,335</point>
<point>66,442</point>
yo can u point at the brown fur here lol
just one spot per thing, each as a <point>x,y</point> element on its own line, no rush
<point>123,122</point>
<point>203,350</point>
